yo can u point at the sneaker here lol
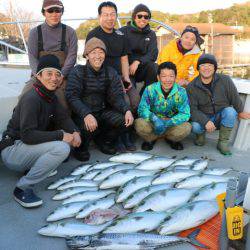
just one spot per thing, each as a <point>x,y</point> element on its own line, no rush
<point>81,155</point>
<point>27,198</point>
<point>107,148</point>
<point>176,145</point>
<point>147,146</point>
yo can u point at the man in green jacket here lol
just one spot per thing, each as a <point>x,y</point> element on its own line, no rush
<point>215,103</point>
<point>164,110</point>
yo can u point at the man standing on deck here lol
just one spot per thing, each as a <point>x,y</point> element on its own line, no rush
<point>52,37</point>
<point>116,57</point>
<point>215,104</point>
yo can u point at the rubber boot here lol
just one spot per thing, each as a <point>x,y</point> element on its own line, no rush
<point>223,141</point>
<point>200,139</point>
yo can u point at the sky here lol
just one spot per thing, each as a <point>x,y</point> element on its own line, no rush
<point>88,8</point>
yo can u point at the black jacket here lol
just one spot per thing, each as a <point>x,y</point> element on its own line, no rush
<point>89,91</point>
<point>142,43</point>
<point>203,102</point>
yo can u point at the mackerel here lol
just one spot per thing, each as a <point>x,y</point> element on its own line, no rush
<point>104,165</point>
<point>131,157</point>
<point>78,183</point>
<point>185,161</point>
<point>91,174</point>
<point>81,169</point>
<point>217,171</point>
<point>56,184</point>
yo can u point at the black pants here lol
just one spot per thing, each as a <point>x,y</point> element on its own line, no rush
<point>146,72</point>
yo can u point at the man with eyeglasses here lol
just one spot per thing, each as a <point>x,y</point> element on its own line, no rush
<point>215,104</point>
<point>52,37</point>
<point>117,57</point>
<point>143,46</point>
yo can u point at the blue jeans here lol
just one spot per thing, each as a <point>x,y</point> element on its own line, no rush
<point>225,117</point>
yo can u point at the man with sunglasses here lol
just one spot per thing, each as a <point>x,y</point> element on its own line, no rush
<point>143,46</point>
<point>52,37</point>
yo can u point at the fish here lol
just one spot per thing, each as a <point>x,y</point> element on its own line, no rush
<point>131,186</point>
<point>81,169</point>
<point>217,171</point>
<point>140,194</point>
<point>56,184</point>
<point>156,163</point>
<point>64,194</point>
<point>184,161</point>
<point>173,176</point>
<point>111,170</point>
<point>121,177</point>
<point>131,157</point>
<point>137,222</point>
<point>104,165</point>
<point>103,203</point>
<point>188,216</point>
<point>209,192</point>
<point>78,183</point>
<point>200,164</point>
<point>164,200</point>
<point>200,180</point>
<point>89,195</point>
<point>66,211</point>
<point>70,229</point>
<point>91,174</point>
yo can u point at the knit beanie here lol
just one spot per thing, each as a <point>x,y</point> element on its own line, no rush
<point>141,8</point>
<point>47,4</point>
<point>207,58</point>
<point>194,30</point>
<point>92,44</point>
<point>48,62</point>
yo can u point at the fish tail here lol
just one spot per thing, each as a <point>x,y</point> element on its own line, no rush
<point>192,237</point>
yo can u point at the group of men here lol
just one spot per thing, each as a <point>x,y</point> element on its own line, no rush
<point>64,106</point>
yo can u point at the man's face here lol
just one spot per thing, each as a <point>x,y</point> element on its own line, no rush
<point>107,18</point>
<point>53,16</point>
<point>167,78</point>
<point>50,78</point>
<point>141,19</point>
<point>188,40</point>
<point>96,58</point>
<point>206,70</point>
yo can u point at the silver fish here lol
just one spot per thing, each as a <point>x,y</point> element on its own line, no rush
<point>155,163</point>
<point>61,181</point>
<point>131,157</point>
<point>104,165</point>
<point>70,229</point>
<point>200,164</point>
<point>64,194</point>
<point>191,215</point>
<point>91,174</point>
<point>173,176</point>
<point>137,222</point>
<point>111,170</point>
<point>89,195</point>
<point>131,186</point>
<point>81,169</point>
<point>139,195</point>
<point>185,161</point>
<point>209,192</point>
<point>217,171</point>
<point>103,203</point>
<point>200,180</point>
<point>66,211</point>
<point>78,183</point>
<point>121,177</point>
<point>164,200</point>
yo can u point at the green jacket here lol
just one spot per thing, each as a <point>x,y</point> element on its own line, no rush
<point>175,106</point>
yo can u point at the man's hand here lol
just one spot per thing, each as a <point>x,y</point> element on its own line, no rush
<point>129,84</point>
<point>210,127</point>
<point>133,67</point>
<point>129,119</point>
<point>90,123</point>
<point>244,115</point>
<point>76,140</point>
<point>67,137</point>
<point>183,82</point>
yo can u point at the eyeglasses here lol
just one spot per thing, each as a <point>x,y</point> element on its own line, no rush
<point>139,16</point>
<point>54,10</point>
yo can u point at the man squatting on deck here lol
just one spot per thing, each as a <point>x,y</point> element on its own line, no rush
<point>39,134</point>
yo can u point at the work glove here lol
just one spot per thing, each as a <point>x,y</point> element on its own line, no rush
<point>159,126</point>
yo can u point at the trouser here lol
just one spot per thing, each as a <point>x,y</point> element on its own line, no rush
<point>226,117</point>
<point>132,98</point>
<point>41,159</point>
<point>177,133</point>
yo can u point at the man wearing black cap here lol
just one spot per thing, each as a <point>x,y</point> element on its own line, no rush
<point>215,104</point>
<point>143,46</point>
<point>30,143</point>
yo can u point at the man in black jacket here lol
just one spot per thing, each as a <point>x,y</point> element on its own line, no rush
<point>30,142</point>
<point>95,95</point>
<point>214,102</point>
<point>143,46</point>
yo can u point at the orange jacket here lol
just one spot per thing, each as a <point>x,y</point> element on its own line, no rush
<point>185,64</point>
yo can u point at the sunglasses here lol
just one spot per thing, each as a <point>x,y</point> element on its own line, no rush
<point>54,10</point>
<point>139,16</point>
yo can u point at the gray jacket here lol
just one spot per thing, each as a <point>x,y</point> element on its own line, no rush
<point>204,103</point>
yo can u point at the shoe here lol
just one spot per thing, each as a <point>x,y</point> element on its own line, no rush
<point>107,148</point>
<point>200,139</point>
<point>120,147</point>
<point>176,145</point>
<point>129,145</point>
<point>147,146</point>
<point>223,142</point>
<point>27,198</point>
<point>81,155</point>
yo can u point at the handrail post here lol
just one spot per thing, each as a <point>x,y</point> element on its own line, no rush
<point>21,32</point>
